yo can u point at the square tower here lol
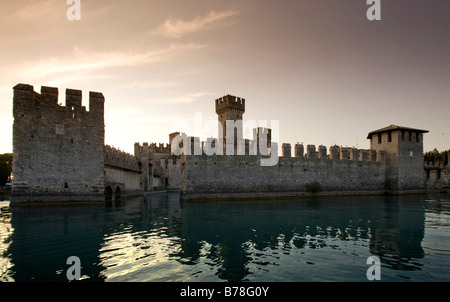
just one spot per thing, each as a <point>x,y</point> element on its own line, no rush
<point>403,149</point>
<point>58,150</point>
<point>230,110</point>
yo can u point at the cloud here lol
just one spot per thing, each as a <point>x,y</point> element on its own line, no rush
<point>189,97</point>
<point>133,116</point>
<point>33,10</point>
<point>81,60</point>
<point>139,84</point>
<point>177,28</point>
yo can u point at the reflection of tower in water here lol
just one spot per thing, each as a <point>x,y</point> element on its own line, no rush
<point>396,237</point>
<point>6,231</point>
<point>249,235</point>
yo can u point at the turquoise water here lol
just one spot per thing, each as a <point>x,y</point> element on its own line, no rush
<point>164,239</point>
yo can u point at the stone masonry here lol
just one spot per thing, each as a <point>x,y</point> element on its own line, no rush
<point>60,155</point>
<point>58,150</point>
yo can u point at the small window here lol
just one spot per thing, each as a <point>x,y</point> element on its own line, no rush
<point>389,136</point>
<point>403,135</point>
<point>410,136</point>
<point>379,138</point>
<point>417,137</point>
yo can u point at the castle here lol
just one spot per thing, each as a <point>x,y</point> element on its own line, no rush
<point>60,155</point>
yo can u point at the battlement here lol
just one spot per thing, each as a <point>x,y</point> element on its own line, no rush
<point>121,159</point>
<point>148,149</point>
<point>335,153</point>
<point>159,148</point>
<point>262,135</point>
<point>58,150</point>
<point>262,132</point>
<point>26,101</point>
<point>228,102</point>
<point>286,150</point>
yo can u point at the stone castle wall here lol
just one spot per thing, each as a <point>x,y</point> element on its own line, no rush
<point>164,169</point>
<point>58,150</point>
<point>437,176</point>
<point>59,154</point>
<point>122,170</point>
<point>120,159</point>
<point>210,175</point>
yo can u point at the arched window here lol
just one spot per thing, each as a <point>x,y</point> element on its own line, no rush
<point>117,192</point>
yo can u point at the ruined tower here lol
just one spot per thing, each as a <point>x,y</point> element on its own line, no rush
<point>230,108</point>
<point>403,148</point>
<point>58,150</point>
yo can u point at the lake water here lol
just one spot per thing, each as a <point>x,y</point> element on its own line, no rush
<point>161,238</point>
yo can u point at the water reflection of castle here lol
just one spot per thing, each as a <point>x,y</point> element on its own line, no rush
<point>394,228</point>
<point>225,235</point>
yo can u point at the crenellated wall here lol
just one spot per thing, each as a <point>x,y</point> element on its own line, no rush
<point>120,159</point>
<point>123,171</point>
<point>335,152</point>
<point>163,169</point>
<point>59,154</point>
<point>58,150</point>
<point>437,176</point>
<point>228,102</point>
<point>345,170</point>
<point>159,148</point>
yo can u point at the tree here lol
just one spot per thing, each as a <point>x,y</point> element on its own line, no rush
<point>5,168</point>
<point>435,156</point>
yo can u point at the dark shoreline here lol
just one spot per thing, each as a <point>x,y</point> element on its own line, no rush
<point>195,197</point>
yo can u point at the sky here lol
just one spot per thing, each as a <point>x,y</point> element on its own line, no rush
<point>319,67</point>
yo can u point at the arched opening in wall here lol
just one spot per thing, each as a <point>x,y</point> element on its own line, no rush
<point>117,193</point>
<point>108,193</point>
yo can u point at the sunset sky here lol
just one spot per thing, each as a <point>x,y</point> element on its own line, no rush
<point>320,67</point>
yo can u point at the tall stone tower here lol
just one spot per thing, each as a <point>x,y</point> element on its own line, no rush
<point>58,150</point>
<point>404,156</point>
<point>230,108</point>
